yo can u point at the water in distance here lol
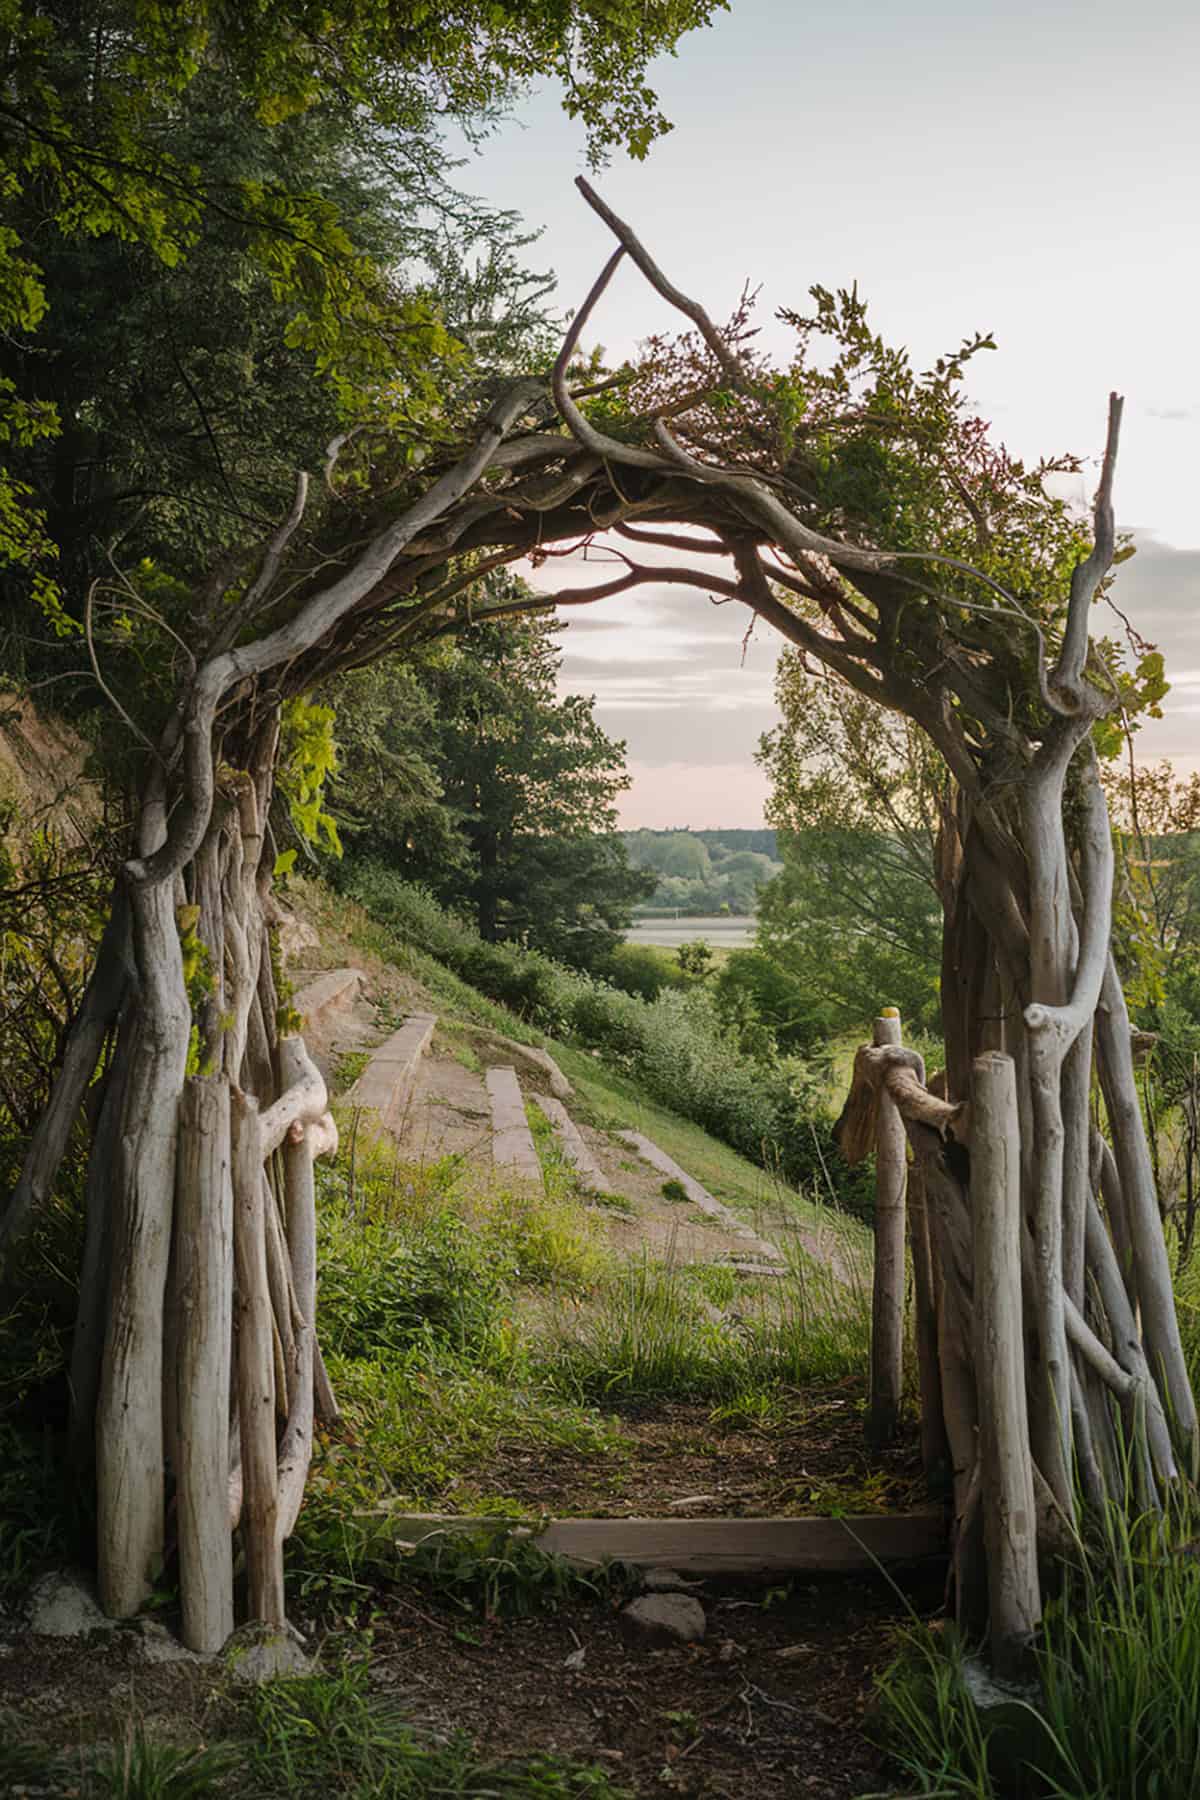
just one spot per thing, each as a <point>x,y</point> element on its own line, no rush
<point>723,931</point>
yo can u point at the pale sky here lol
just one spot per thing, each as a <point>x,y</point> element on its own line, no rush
<point>1028,169</point>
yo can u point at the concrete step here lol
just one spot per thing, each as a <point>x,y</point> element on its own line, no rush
<point>591,1176</point>
<point>322,1000</point>
<point>700,1196</point>
<point>512,1141</point>
<point>385,1085</point>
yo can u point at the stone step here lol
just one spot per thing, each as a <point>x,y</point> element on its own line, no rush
<point>322,1000</point>
<point>512,1141</point>
<point>699,1196</point>
<point>570,1139</point>
<point>385,1085</point>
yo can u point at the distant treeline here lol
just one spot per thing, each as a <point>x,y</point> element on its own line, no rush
<point>704,871</point>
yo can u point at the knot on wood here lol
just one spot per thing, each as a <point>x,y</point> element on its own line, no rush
<point>900,1073</point>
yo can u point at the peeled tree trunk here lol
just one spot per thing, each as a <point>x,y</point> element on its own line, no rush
<point>776,490</point>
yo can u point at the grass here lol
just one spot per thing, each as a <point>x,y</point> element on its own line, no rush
<point>647,1335</point>
<point>1112,1710</point>
<point>325,1736</point>
<point>329,1736</point>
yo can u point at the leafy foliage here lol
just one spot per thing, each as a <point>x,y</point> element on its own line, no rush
<point>465,770</point>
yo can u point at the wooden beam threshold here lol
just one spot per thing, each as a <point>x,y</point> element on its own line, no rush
<point>706,1546</point>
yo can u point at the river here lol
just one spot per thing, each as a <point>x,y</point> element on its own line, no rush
<point>721,931</point>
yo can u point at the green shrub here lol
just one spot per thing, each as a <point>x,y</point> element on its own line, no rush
<point>642,970</point>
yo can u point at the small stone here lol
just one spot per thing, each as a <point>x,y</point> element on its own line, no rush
<point>257,1653</point>
<point>158,1645</point>
<point>667,1581</point>
<point>63,1604</point>
<point>657,1619</point>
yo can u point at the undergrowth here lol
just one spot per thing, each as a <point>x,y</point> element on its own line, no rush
<point>1112,1708</point>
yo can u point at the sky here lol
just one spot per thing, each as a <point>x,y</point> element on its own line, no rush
<point>1031,170</point>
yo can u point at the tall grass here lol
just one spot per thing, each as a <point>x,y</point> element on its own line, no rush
<point>1113,1713</point>
<point>650,1332</point>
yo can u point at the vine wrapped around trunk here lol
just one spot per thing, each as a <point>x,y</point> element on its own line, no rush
<point>859,510</point>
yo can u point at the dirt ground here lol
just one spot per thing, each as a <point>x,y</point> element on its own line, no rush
<point>772,1703</point>
<point>770,1706</point>
<point>674,1457</point>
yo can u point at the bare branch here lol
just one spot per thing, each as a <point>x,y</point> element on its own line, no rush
<point>1067,676</point>
<point>691,309</point>
<point>581,428</point>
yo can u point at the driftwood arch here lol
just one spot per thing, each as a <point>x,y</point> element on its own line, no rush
<point>1008,692</point>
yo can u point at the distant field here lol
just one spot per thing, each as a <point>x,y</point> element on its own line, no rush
<point>722,932</point>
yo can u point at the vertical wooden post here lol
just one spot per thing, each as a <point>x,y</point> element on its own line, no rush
<point>255,1368</point>
<point>935,1454</point>
<point>295,1453</point>
<point>204,1297</point>
<point>1010,1535</point>
<point>887,1305</point>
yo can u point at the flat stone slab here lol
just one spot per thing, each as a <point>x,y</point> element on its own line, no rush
<point>700,1196</point>
<point>323,999</point>
<point>512,1141</point>
<point>385,1085</point>
<point>571,1142</point>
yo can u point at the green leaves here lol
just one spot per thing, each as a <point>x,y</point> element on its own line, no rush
<point>308,756</point>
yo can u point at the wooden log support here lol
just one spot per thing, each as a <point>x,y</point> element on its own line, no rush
<point>1009,1520</point>
<point>887,1302</point>
<point>204,1299</point>
<point>255,1368</point>
<point>745,1547</point>
<point>935,1454</point>
<point>305,1101</point>
<point>295,1452</point>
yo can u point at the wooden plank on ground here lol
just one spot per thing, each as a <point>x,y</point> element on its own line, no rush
<point>385,1085</point>
<point>708,1546</point>
<point>320,1001</point>
<point>573,1147</point>
<point>513,1148</point>
<point>700,1196</point>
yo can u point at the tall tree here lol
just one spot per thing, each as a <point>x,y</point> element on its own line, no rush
<point>528,782</point>
<point>161,177</point>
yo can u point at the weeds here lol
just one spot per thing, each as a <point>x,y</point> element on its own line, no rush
<point>501,1575</point>
<point>141,1768</point>
<point>647,1335</point>
<point>328,1736</point>
<point>1113,1711</point>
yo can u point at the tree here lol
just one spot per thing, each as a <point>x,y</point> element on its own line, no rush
<point>866,516</point>
<point>526,784</point>
<point>857,801</point>
<point>142,149</point>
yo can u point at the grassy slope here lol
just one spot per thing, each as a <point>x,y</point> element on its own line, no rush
<point>609,1099</point>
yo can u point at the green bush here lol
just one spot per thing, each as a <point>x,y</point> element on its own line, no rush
<point>642,970</point>
<point>382,1292</point>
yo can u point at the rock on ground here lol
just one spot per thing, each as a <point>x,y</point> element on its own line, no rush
<point>256,1653</point>
<point>667,1581</point>
<point>664,1619</point>
<point>63,1604</point>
